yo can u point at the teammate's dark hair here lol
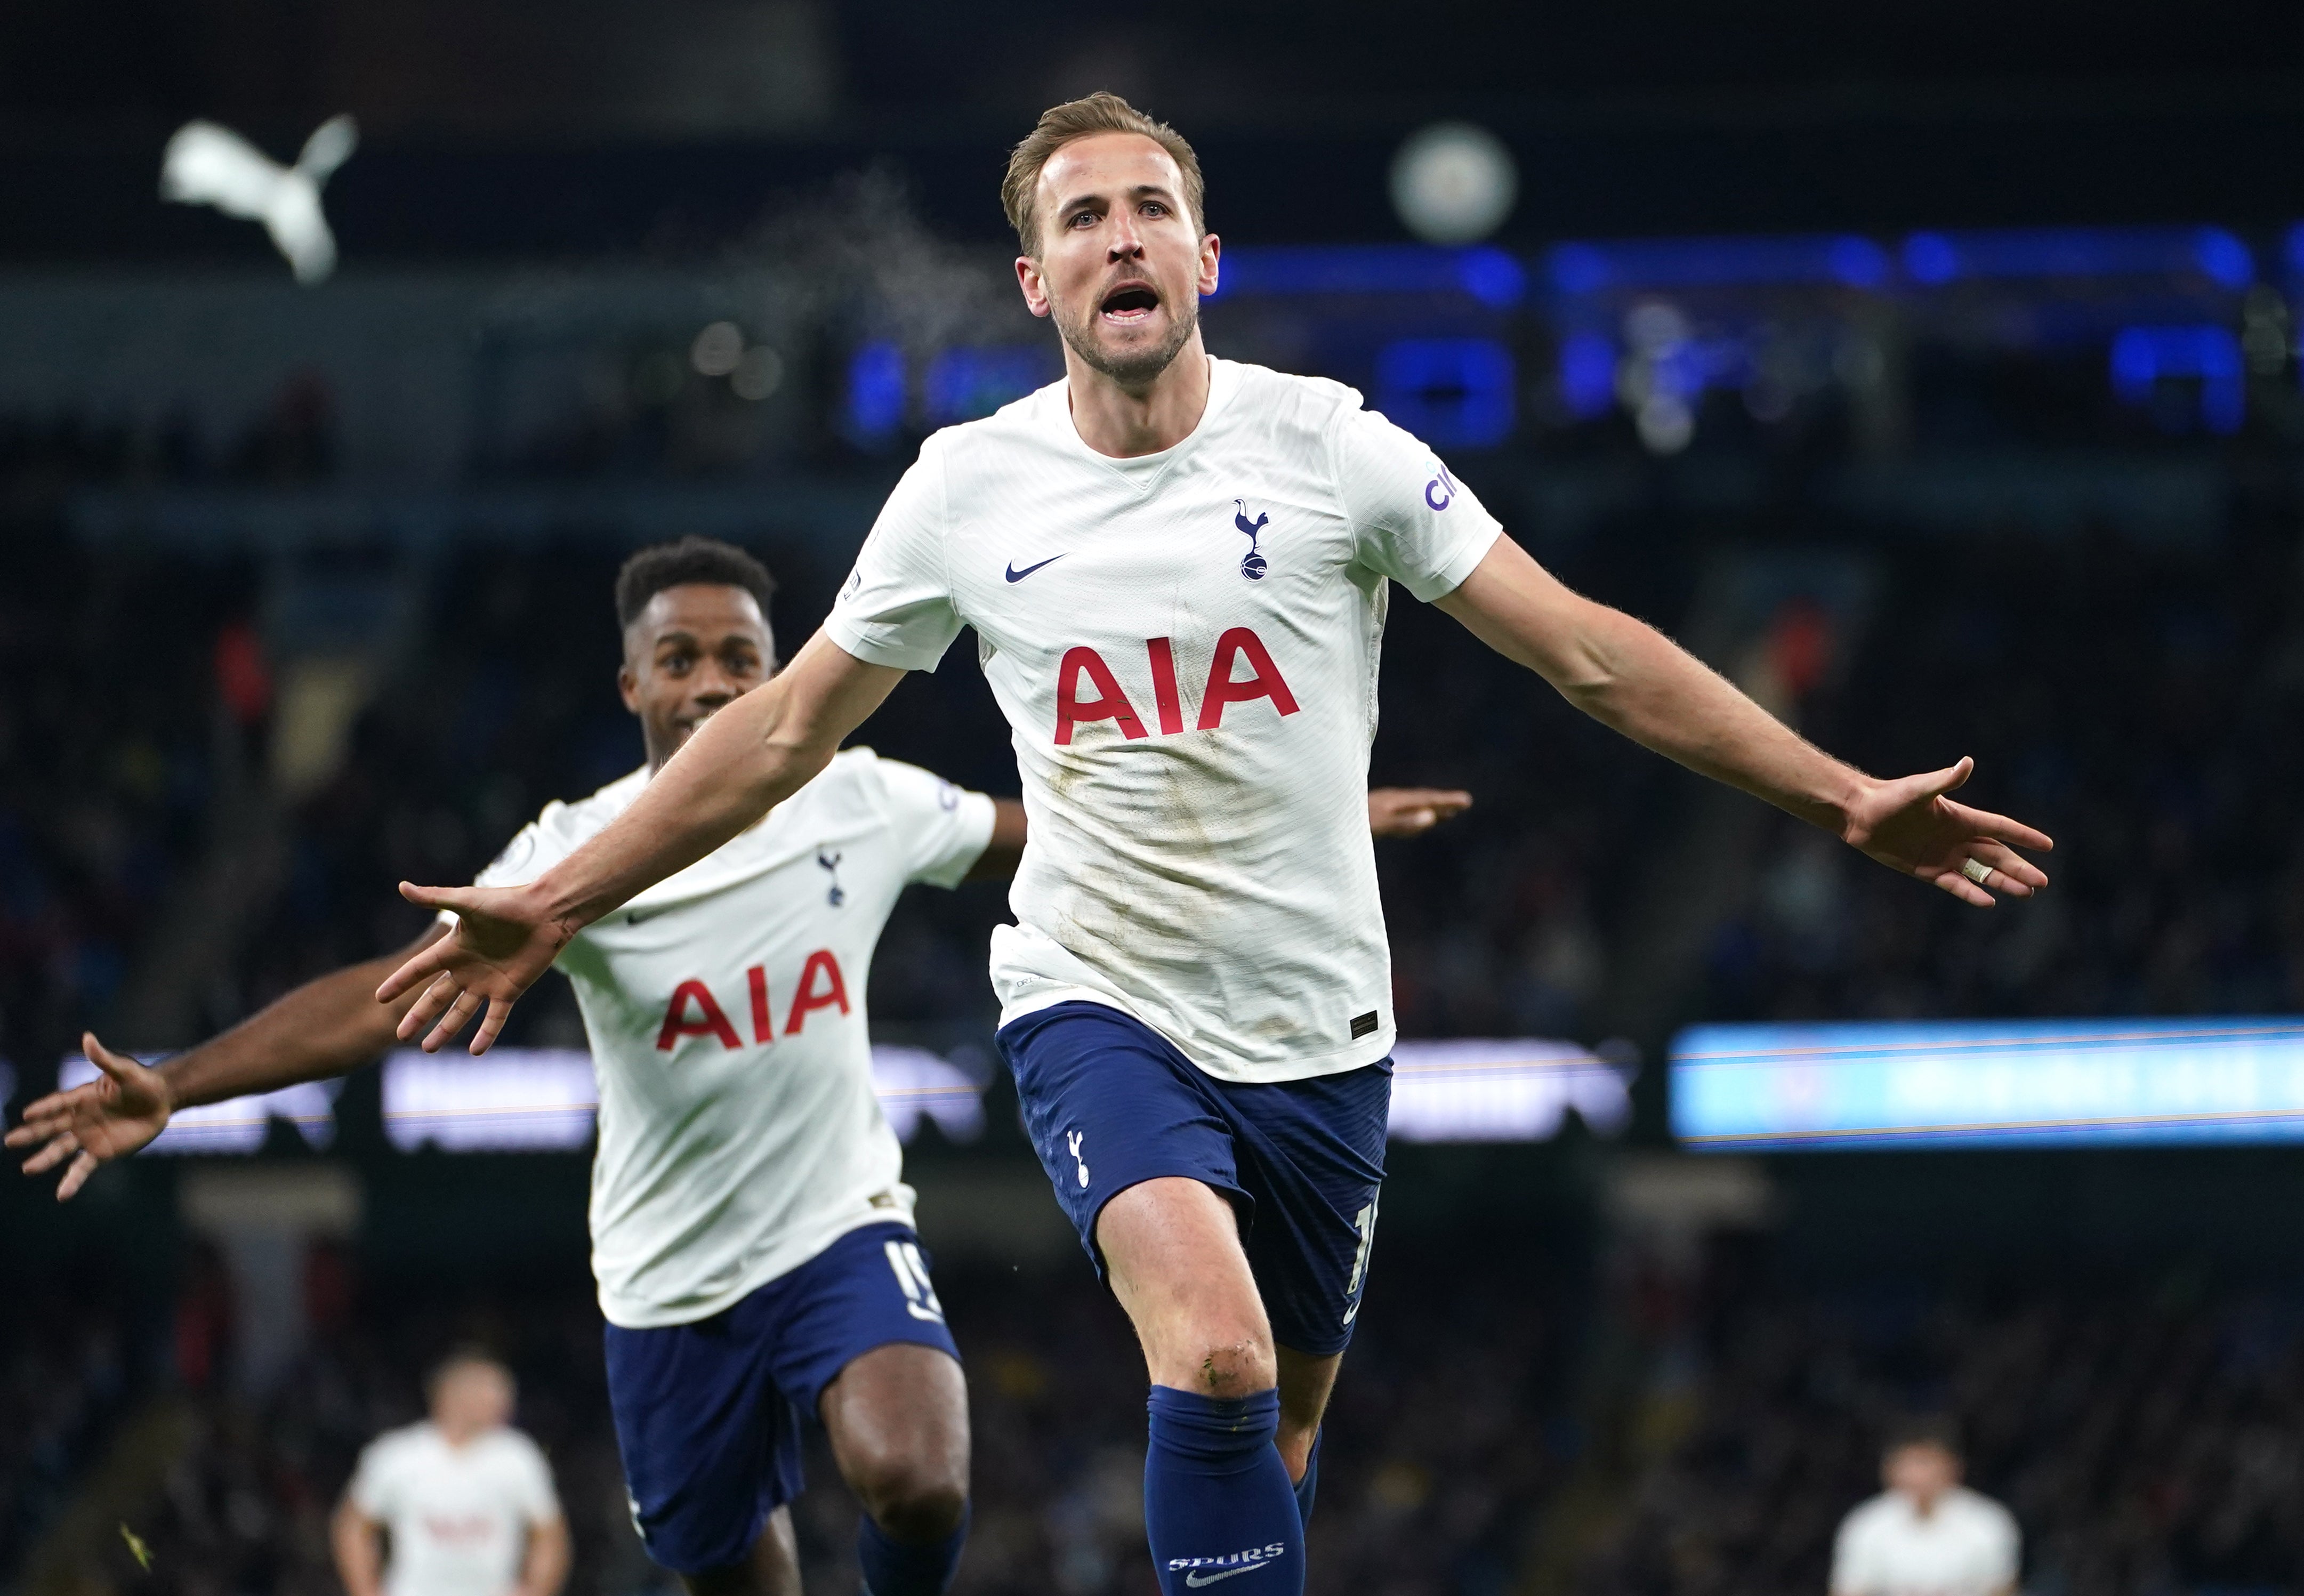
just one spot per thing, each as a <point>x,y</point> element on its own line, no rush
<point>1923,1429</point>
<point>1059,125</point>
<point>682,561</point>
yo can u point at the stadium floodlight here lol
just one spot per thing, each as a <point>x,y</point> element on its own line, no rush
<point>2007,1083</point>
<point>208,165</point>
<point>1453,184</point>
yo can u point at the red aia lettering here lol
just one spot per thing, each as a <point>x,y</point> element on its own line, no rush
<point>1164,684</point>
<point>835,990</point>
<point>1109,704</point>
<point>764,1024</point>
<point>1263,680</point>
<point>709,1020</point>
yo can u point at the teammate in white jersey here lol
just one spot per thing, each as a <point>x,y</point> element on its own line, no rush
<point>464,1500</point>
<point>752,1230</point>
<point>1177,569</point>
<point>1925,1534</point>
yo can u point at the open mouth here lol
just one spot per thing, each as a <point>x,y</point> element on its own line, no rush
<point>1128,304</point>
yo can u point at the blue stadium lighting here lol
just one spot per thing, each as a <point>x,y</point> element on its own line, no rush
<point>1450,391</point>
<point>1488,276</point>
<point>1932,258</point>
<point>875,393</point>
<point>2292,248</point>
<point>1588,375</point>
<point>2017,1084</point>
<point>965,384</point>
<point>1581,269</point>
<point>2142,355</point>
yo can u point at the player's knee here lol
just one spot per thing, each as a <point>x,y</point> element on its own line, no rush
<point>912,1498</point>
<point>1234,1366</point>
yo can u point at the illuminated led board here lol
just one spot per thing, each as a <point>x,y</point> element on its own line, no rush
<point>2000,1084</point>
<point>1513,1089</point>
<point>541,1100</point>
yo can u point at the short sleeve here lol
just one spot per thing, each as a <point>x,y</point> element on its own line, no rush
<point>375,1488</point>
<point>1412,521</point>
<point>943,830</point>
<point>533,1494</point>
<point>2007,1547</point>
<point>1850,1576</point>
<point>896,609</point>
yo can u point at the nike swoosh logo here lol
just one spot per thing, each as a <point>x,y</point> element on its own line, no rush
<point>1194,1580</point>
<point>1016,575</point>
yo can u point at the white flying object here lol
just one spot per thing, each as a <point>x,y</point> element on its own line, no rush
<point>208,165</point>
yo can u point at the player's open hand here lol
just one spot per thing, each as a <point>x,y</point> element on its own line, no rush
<point>1410,812</point>
<point>504,941</point>
<point>1911,825</point>
<point>106,1118</point>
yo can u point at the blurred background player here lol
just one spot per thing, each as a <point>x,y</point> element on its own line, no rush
<point>1925,1534</point>
<point>459,1504</point>
<point>752,1233</point>
<point>1196,999</point>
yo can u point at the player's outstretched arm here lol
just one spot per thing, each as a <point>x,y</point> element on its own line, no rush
<point>328,1026</point>
<point>745,761</point>
<point>1627,674</point>
<point>1411,812</point>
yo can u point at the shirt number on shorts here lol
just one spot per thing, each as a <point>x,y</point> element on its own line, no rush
<point>912,1279</point>
<point>1366,1221</point>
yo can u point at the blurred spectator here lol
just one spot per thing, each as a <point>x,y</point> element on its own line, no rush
<point>1925,1534</point>
<point>466,1499</point>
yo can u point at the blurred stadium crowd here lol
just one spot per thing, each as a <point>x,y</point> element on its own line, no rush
<point>1438,1475</point>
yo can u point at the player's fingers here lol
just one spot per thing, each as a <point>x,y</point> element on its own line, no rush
<point>414,974</point>
<point>455,899</point>
<point>2022,876</point>
<point>2001,829</point>
<point>428,1007</point>
<point>453,1020</point>
<point>35,1127</point>
<point>123,1070</point>
<point>75,1177</point>
<point>491,1025</point>
<point>1446,801</point>
<point>56,1151</point>
<point>1964,889</point>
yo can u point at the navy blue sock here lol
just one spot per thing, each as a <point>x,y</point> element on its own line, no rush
<point>1310,1485</point>
<point>1217,1496</point>
<point>893,1568</point>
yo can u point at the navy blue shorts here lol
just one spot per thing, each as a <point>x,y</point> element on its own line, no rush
<point>1110,1102</point>
<point>708,1415</point>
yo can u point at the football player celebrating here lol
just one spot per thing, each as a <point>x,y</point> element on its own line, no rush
<point>752,1230</point>
<point>1177,568</point>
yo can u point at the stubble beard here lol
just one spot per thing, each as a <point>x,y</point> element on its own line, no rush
<point>1140,367</point>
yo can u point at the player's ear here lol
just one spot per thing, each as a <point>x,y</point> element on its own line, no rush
<point>628,685</point>
<point>1211,252</point>
<point>1035,287</point>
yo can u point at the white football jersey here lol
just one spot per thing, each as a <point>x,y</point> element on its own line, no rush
<point>458,1516</point>
<point>1185,645</point>
<point>1968,1546</point>
<point>738,1134</point>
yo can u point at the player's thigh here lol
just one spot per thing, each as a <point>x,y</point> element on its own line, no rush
<point>710,1446</point>
<point>1172,1247</point>
<point>897,1418</point>
<point>773,1568</point>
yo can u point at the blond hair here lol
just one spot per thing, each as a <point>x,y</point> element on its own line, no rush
<point>1059,125</point>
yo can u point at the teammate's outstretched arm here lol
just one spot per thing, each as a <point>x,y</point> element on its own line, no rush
<point>1627,674</point>
<point>328,1026</point>
<point>749,757</point>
